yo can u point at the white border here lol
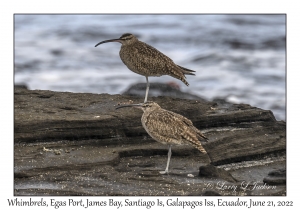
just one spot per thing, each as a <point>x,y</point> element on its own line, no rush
<point>8,8</point>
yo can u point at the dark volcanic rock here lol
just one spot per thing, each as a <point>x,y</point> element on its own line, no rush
<point>160,89</point>
<point>212,171</point>
<point>278,173</point>
<point>276,177</point>
<point>79,144</point>
<point>21,86</point>
<point>210,193</point>
<point>46,115</point>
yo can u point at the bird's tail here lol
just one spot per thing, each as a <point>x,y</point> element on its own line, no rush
<point>193,140</point>
<point>201,148</point>
<point>186,71</point>
<point>180,72</point>
<point>180,76</point>
<point>202,136</point>
<point>198,145</point>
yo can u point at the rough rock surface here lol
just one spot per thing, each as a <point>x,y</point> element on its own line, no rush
<point>171,89</point>
<point>276,177</point>
<point>212,171</point>
<point>78,144</point>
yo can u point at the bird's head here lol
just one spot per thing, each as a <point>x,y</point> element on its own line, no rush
<point>146,107</point>
<point>125,39</point>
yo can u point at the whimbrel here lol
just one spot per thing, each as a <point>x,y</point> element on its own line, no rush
<point>168,127</point>
<point>145,60</point>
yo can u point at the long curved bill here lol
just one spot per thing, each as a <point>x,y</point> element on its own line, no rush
<point>110,40</point>
<point>131,105</point>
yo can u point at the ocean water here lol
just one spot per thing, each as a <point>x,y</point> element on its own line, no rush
<point>241,58</point>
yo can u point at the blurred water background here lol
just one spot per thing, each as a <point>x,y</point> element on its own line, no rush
<point>240,58</point>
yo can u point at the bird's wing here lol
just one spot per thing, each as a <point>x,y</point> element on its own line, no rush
<point>169,127</point>
<point>182,118</point>
<point>153,60</point>
<point>150,52</point>
<point>164,126</point>
<point>190,125</point>
<point>186,71</point>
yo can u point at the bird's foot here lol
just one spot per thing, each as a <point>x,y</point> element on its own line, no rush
<point>164,172</point>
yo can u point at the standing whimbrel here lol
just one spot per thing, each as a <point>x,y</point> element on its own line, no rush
<point>168,127</point>
<point>145,60</point>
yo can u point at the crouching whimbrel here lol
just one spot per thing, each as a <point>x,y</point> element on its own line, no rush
<point>145,60</point>
<point>168,127</point>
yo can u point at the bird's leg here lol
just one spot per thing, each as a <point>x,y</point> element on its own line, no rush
<point>169,158</point>
<point>147,89</point>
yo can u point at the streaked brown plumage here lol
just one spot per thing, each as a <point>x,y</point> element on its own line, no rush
<point>168,127</point>
<point>145,60</point>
